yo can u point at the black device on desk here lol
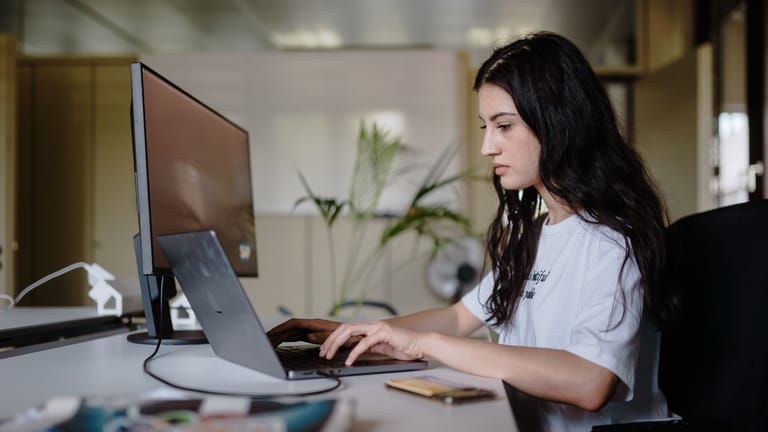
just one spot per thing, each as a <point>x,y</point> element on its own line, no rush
<point>24,326</point>
<point>192,170</point>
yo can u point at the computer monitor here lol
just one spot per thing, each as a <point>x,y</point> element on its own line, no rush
<point>192,171</point>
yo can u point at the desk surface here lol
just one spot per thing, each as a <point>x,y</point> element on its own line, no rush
<point>112,366</point>
<point>21,317</point>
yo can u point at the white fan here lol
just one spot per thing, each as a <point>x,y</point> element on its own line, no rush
<point>455,269</point>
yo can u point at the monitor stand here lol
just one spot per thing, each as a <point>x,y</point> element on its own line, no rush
<point>157,310</point>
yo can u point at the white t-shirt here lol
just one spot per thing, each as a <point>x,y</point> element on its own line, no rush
<point>573,301</point>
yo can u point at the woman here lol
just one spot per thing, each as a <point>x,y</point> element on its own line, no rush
<point>569,284</point>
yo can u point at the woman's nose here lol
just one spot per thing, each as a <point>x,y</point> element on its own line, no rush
<point>488,147</point>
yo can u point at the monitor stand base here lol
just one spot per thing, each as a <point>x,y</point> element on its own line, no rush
<point>177,337</point>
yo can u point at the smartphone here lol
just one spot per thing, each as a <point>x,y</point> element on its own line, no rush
<point>440,389</point>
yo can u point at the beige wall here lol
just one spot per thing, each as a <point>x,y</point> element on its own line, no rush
<point>665,122</point>
<point>666,28</point>
<point>114,205</point>
<point>303,111</point>
<point>673,109</point>
<point>294,267</point>
<point>7,163</point>
<point>705,125</point>
<point>483,200</point>
<point>54,177</point>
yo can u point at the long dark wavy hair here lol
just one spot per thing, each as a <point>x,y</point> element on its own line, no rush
<point>585,162</point>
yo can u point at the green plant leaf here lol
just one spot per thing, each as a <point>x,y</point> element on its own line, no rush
<point>329,208</point>
<point>376,153</point>
<point>426,221</point>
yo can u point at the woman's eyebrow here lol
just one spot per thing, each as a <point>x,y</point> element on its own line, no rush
<point>497,115</point>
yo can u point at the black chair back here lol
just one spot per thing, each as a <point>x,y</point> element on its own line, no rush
<point>714,358</point>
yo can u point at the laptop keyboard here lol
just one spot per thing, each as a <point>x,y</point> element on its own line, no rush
<point>302,358</point>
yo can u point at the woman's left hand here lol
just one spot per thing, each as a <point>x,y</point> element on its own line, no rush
<point>377,336</point>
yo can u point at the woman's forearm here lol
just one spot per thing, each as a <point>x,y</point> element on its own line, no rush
<point>453,320</point>
<point>550,374</point>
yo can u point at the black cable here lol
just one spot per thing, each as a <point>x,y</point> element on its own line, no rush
<point>147,360</point>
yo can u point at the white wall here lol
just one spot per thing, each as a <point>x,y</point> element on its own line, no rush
<point>303,110</point>
<point>295,268</point>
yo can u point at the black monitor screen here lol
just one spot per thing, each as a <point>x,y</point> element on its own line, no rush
<point>192,172</point>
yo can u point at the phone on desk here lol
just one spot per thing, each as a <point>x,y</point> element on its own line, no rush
<point>440,389</point>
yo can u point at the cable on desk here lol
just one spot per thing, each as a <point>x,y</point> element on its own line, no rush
<point>100,290</point>
<point>336,384</point>
<point>8,298</point>
<point>57,273</point>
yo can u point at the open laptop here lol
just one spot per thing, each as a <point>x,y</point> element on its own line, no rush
<point>231,325</point>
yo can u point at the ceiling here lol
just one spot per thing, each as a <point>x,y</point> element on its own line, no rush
<point>604,29</point>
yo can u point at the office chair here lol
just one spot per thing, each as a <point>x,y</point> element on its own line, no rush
<point>713,358</point>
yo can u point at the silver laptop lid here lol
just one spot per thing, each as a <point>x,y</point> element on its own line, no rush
<point>229,321</point>
<point>225,313</point>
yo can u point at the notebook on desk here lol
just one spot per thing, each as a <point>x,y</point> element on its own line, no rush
<point>232,326</point>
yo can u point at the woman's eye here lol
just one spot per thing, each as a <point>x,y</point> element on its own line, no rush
<point>501,126</point>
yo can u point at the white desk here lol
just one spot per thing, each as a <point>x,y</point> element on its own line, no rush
<point>24,317</point>
<point>112,366</point>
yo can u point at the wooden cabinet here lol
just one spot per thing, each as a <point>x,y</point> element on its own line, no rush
<point>7,162</point>
<point>73,115</point>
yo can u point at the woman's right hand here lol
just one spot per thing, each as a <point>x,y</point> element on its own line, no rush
<point>374,336</point>
<point>301,329</point>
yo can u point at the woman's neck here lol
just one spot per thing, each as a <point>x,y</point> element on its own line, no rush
<point>557,210</point>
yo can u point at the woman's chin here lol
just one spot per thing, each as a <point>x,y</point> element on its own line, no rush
<point>514,184</point>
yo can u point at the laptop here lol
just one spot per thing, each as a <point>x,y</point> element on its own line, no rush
<point>231,325</point>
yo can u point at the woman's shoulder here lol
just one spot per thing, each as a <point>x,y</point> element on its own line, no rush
<point>587,228</point>
<point>600,234</point>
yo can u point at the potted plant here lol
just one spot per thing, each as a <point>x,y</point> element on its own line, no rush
<point>374,167</point>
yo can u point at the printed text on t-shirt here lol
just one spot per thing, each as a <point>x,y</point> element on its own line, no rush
<point>536,277</point>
